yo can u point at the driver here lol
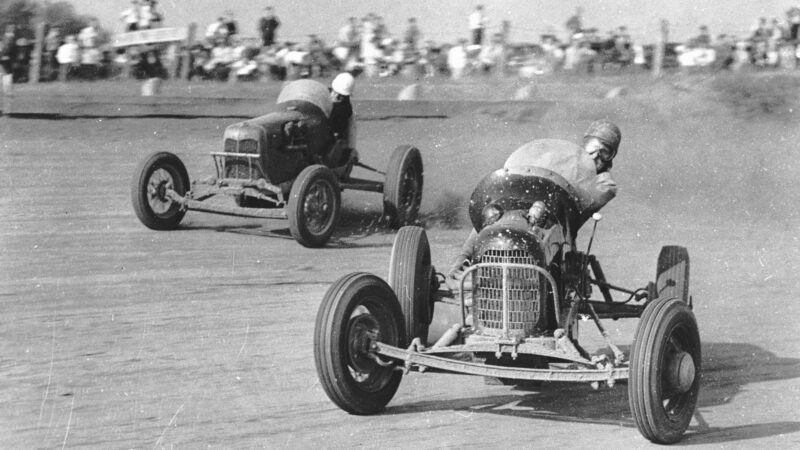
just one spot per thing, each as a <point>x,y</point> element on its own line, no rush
<point>586,167</point>
<point>341,90</point>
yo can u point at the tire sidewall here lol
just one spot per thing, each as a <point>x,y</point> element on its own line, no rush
<point>409,276</point>
<point>403,158</point>
<point>180,177</point>
<point>659,320</point>
<point>331,346</point>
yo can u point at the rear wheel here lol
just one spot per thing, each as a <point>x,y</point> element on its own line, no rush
<point>314,203</point>
<point>410,276</point>
<point>158,173</point>
<point>665,370</point>
<point>356,311</point>
<point>402,190</point>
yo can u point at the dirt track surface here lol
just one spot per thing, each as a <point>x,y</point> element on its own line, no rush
<point>116,336</point>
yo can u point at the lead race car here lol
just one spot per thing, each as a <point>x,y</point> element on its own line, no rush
<point>288,164</point>
<point>514,313</point>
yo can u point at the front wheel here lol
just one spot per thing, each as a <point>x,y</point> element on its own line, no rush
<point>410,276</point>
<point>402,189</point>
<point>158,173</point>
<point>356,311</point>
<point>665,370</point>
<point>314,203</point>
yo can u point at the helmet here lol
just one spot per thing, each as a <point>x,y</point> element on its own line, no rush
<point>607,132</point>
<point>343,84</point>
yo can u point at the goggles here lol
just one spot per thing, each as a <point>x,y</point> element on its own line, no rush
<point>605,154</point>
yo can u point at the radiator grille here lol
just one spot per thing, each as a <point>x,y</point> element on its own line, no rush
<point>248,146</point>
<point>524,294</point>
<point>243,146</point>
<point>230,146</point>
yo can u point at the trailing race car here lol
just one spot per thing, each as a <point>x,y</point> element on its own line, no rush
<point>288,164</point>
<point>514,313</point>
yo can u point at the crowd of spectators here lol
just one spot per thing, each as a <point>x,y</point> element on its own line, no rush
<point>366,46</point>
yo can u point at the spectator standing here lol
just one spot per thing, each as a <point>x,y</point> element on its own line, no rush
<point>774,41</point>
<point>68,57</point>
<point>8,49</point>
<point>50,65</point>
<point>369,44</point>
<point>215,31</point>
<point>457,59</point>
<point>477,25</point>
<point>347,45</point>
<point>574,24</point>
<point>702,40</point>
<point>793,18</point>
<point>90,55</point>
<point>267,26</point>
<point>412,34</point>
<point>316,52</point>
<point>149,17</point>
<point>130,16</point>
<point>230,24</point>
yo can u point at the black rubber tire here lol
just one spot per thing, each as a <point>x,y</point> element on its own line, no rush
<point>672,273</point>
<point>314,203</point>
<point>402,189</point>
<point>411,276</point>
<point>355,300</point>
<point>156,173</point>
<point>667,328</point>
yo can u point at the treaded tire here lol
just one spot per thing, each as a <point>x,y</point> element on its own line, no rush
<point>354,303</point>
<point>402,189</point>
<point>672,273</point>
<point>314,203</point>
<point>666,330</point>
<point>410,276</point>
<point>154,175</point>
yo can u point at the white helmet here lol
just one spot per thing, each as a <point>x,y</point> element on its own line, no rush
<point>343,84</point>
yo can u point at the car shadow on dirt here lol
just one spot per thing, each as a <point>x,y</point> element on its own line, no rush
<point>727,369</point>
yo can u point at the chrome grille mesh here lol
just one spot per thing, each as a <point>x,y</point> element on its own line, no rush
<point>248,146</point>
<point>230,146</point>
<point>523,293</point>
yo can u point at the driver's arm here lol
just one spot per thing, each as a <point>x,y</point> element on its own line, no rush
<point>599,190</point>
<point>465,257</point>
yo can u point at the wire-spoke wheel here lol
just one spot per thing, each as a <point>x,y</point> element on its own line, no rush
<point>314,203</point>
<point>402,190</point>
<point>158,174</point>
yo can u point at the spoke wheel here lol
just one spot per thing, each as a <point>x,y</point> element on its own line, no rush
<point>157,174</point>
<point>314,203</point>
<point>402,190</point>
<point>665,370</point>
<point>356,311</point>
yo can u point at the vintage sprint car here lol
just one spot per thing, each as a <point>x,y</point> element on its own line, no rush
<point>287,164</point>
<point>514,313</point>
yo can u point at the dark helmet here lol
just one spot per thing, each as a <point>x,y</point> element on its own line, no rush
<point>607,132</point>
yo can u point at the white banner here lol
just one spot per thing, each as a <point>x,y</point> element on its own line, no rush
<point>153,36</point>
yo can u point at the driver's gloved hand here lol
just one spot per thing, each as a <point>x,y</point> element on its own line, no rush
<point>459,264</point>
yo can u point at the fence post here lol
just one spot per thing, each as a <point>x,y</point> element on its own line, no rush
<point>658,52</point>
<point>35,69</point>
<point>186,51</point>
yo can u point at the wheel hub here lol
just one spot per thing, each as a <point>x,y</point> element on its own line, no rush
<point>681,372</point>
<point>362,333</point>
